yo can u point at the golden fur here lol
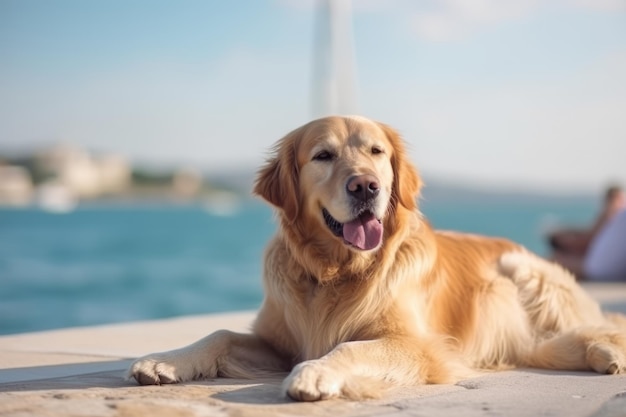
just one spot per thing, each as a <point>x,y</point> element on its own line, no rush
<point>417,306</point>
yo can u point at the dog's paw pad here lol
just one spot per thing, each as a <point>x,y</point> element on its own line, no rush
<point>613,369</point>
<point>311,381</point>
<point>605,359</point>
<point>154,371</point>
<point>145,379</point>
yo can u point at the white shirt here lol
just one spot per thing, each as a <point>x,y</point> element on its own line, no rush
<point>606,257</point>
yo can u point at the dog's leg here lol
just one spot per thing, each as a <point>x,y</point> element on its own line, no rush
<point>364,369</point>
<point>222,353</point>
<point>601,349</point>
<point>573,332</point>
<point>550,295</point>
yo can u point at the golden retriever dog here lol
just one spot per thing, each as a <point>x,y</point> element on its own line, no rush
<point>362,294</point>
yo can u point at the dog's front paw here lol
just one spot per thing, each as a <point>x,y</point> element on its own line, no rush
<point>160,368</point>
<point>313,381</point>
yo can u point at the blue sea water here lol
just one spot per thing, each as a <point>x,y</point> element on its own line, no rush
<point>123,262</point>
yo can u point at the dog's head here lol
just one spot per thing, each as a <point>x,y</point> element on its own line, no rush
<point>341,177</point>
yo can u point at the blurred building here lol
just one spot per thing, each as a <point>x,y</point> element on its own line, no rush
<point>187,183</point>
<point>82,174</point>
<point>16,186</point>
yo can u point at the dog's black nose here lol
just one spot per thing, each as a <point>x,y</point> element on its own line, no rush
<point>363,187</point>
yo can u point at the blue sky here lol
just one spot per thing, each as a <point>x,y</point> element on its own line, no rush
<point>507,93</point>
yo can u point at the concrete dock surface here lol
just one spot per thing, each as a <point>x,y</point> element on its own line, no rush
<point>80,372</point>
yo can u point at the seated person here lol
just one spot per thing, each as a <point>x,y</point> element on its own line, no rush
<point>571,246</point>
<point>606,257</point>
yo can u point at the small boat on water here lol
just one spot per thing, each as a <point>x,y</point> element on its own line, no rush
<point>222,203</point>
<point>56,198</point>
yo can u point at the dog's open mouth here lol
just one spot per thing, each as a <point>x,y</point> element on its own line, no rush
<point>365,232</point>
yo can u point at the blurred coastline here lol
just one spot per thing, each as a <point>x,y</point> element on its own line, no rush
<point>59,177</point>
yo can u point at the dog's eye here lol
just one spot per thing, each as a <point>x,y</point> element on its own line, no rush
<point>323,156</point>
<point>376,150</point>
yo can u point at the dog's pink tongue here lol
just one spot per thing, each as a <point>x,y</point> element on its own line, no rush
<point>365,232</point>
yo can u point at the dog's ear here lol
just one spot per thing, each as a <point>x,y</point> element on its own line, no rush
<point>277,181</point>
<point>406,180</point>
